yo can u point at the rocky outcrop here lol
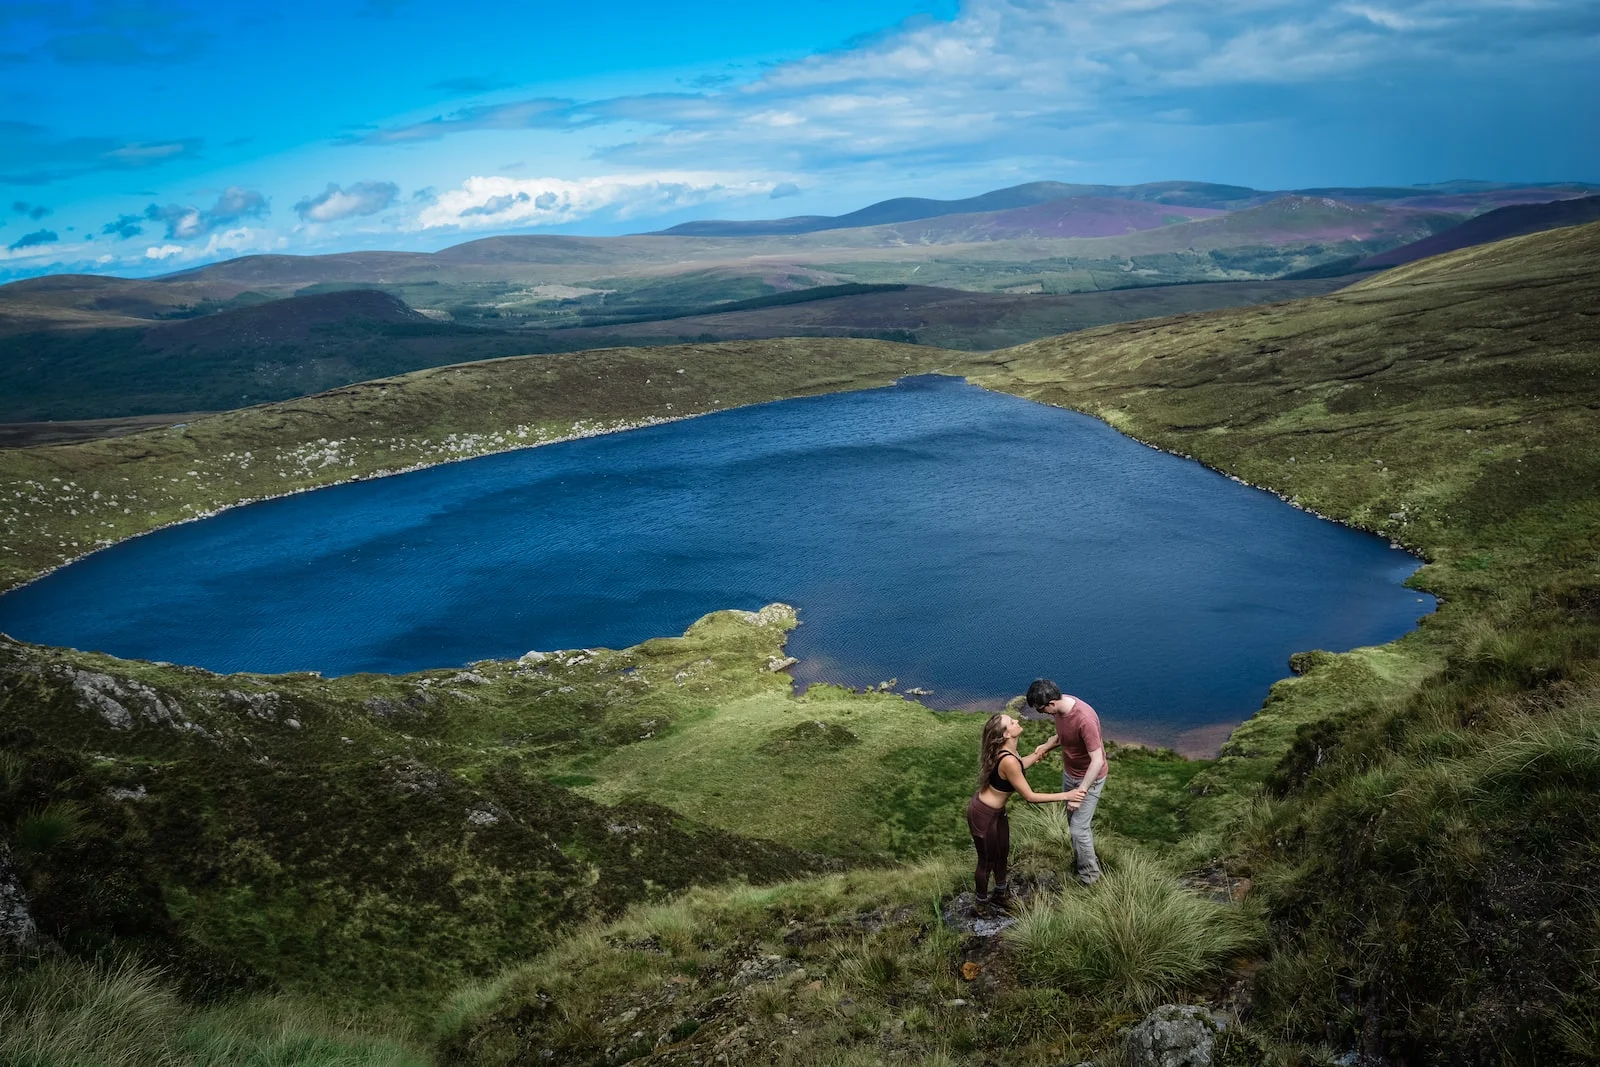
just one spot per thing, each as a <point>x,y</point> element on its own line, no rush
<point>962,915</point>
<point>413,704</point>
<point>763,968</point>
<point>123,702</point>
<point>1176,1035</point>
<point>17,929</point>
<point>261,706</point>
<point>772,613</point>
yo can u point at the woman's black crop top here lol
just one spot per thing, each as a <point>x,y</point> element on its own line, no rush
<point>997,781</point>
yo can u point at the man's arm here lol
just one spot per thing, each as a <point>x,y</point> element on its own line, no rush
<point>1042,751</point>
<point>1097,763</point>
<point>1019,781</point>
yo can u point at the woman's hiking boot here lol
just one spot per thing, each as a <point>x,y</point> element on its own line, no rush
<point>1001,900</point>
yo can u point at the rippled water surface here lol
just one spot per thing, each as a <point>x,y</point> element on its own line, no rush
<point>950,538</point>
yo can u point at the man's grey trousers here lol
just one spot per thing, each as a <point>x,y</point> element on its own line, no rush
<point>1078,824</point>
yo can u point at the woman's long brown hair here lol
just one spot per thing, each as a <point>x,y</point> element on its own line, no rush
<point>994,739</point>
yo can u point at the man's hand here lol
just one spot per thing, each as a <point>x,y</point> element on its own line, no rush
<point>1040,750</point>
<point>1075,796</point>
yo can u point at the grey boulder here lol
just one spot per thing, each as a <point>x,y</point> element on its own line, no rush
<point>1175,1035</point>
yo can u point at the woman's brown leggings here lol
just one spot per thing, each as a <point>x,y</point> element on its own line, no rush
<point>991,836</point>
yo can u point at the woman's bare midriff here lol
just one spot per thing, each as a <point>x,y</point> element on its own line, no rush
<point>989,795</point>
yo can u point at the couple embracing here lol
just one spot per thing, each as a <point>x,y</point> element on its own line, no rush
<point>1000,774</point>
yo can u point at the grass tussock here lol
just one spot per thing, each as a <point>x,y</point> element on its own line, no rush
<point>1135,938</point>
<point>62,1013</point>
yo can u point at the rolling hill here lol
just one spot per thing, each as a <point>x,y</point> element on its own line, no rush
<point>232,358</point>
<point>283,348</point>
<point>1496,225</point>
<point>1076,216</point>
<point>953,318</point>
<point>1069,237</point>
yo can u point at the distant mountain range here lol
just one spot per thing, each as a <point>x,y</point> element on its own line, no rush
<point>1110,223</point>
<point>990,270</point>
<point>912,208</point>
<point>1443,196</point>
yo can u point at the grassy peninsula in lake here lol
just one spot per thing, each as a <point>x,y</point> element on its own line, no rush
<point>1397,856</point>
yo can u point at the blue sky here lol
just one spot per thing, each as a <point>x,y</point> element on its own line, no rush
<point>142,136</point>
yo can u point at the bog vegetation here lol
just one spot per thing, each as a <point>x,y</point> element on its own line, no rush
<point>1397,857</point>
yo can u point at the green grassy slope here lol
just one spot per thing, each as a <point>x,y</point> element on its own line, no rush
<point>369,839</point>
<point>1417,820</point>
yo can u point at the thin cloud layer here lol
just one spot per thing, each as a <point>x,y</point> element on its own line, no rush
<point>31,155</point>
<point>540,113</point>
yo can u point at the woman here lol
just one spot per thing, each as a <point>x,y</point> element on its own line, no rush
<point>999,775</point>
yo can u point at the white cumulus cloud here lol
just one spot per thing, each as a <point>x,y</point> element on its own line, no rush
<point>184,222</point>
<point>334,203</point>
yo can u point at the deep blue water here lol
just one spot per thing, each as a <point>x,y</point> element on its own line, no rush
<point>955,539</point>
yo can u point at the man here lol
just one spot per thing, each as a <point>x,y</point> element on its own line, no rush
<point>1083,761</point>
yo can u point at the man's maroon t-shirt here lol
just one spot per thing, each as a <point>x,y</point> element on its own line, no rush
<point>1079,730</point>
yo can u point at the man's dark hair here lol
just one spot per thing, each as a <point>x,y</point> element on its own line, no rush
<point>1042,692</point>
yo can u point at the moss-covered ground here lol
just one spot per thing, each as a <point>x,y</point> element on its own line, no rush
<point>1415,823</point>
